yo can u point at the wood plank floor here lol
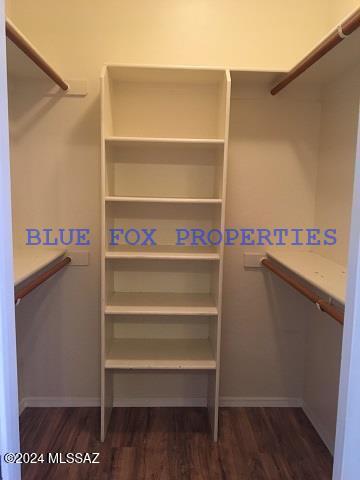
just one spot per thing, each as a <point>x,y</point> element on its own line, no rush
<point>175,444</point>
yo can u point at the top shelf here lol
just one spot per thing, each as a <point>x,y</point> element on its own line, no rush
<point>326,275</point>
<point>179,104</point>
<point>152,74</point>
<point>24,60</point>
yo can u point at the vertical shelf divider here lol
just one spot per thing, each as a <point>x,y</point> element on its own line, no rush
<point>214,378</point>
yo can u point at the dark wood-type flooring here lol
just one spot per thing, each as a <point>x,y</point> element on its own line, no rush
<point>175,444</point>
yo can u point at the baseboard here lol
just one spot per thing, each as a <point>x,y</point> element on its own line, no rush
<point>22,405</point>
<point>286,402</point>
<point>160,402</point>
<point>62,402</point>
<point>323,432</point>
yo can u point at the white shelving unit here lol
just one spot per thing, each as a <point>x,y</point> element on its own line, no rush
<point>164,162</point>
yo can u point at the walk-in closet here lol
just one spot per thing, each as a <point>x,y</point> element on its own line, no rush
<point>180,205</point>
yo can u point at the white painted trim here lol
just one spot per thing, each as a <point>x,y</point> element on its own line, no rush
<point>286,402</point>
<point>160,402</point>
<point>60,402</point>
<point>63,402</point>
<point>323,432</point>
<point>22,405</point>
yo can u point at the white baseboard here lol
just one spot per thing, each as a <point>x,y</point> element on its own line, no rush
<point>159,402</point>
<point>261,402</point>
<point>63,402</point>
<point>22,405</point>
<point>323,432</point>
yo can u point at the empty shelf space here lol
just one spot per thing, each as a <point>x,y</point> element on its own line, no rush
<point>164,252</point>
<point>166,219</point>
<point>161,304</point>
<point>161,170</point>
<point>28,261</point>
<point>152,102</point>
<point>163,200</point>
<point>162,354</point>
<point>326,275</point>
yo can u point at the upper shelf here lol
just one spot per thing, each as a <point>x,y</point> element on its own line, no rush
<point>25,61</point>
<point>31,260</point>
<point>329,277</point>
<point>175,104</point>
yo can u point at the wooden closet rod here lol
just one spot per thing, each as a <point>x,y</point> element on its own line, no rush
<point>41,278</point>
<point>25,46</point>
<point>324,306</point>
<point>334,38</point>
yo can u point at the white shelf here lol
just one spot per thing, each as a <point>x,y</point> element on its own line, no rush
<point>140,140</point>
<point>329,277</point>
<point>164,252</point>
<point>155,102</point>
<point>161,304</point>
<point>160,354</point>
<point>165,73</point>
<point>28,261</point>
<point>163,200</point>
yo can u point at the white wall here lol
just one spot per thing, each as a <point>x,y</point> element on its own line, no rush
<point>336,162</point>
<point>56,179</point>
<point>271,183</point>
<point>334,191</point>
<point>347,465</point>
